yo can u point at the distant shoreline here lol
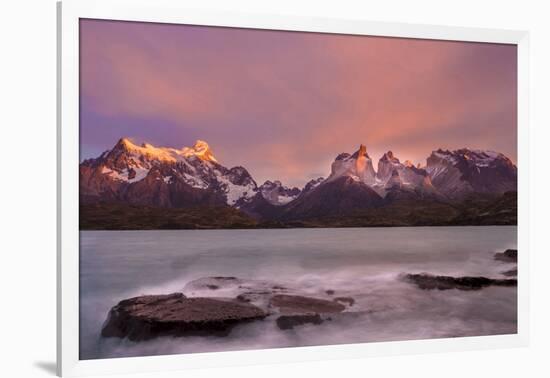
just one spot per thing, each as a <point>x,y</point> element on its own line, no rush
<point>121,216</point>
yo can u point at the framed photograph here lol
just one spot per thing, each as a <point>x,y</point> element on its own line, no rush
<point>253,188</point>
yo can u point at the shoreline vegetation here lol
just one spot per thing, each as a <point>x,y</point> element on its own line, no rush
<point>474,211</point>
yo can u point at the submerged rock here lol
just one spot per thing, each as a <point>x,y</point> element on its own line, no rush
<point>150,316</point>
<point>298,310</point>
<point>510,255</point>
<point>297,304</point>
<point>212,283</point>
<point>256,292</point>
<point>285,322</point>
<point>429,282</point>
<point>510,273</point>
<point>231,285</point>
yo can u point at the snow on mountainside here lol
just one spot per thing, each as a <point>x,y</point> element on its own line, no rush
<point>386,165</point>
<point>404,176</point>
<point>457,173</point>
<point>312,184</point>
<point>184,176</point>
<point>448,174</point>
<point>391,173</point>
<point>276,194</point>
<point>357,166</point>
<point>192,176</point>
<point>149,152</point>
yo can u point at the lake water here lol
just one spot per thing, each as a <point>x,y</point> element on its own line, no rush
<point>364,263</point>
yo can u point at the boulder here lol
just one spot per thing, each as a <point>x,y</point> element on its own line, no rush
<point>430,282</point>
<point>510,255</point>
<point>150,316</point>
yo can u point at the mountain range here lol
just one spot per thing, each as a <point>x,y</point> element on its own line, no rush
<point>142,186</point>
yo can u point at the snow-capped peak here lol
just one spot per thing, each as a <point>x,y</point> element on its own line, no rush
<point>200,150</point>
<point>277,194</point>
<point>147,150</point>
<point>357,165</point>
<point>479,158</point>
<point>386,165</point>
<point>125,142</point>
<point>180,170</point>
<point>466,170</point>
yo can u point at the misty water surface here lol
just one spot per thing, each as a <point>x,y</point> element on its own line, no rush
<point>364,263</point>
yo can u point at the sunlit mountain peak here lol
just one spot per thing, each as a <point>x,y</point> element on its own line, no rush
<point>200,149</point>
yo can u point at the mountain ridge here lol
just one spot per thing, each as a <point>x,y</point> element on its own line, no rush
<point>190,177</point>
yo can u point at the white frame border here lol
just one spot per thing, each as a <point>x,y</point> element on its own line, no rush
<point>171,11</point>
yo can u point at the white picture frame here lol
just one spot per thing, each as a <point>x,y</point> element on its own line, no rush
<point>171,11</point>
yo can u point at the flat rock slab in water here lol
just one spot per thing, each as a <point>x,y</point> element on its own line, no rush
<point>297,310</point>
<point>430,282</point>
<point>297,304</point>
<point>146,317</point>
<point>510,255</point>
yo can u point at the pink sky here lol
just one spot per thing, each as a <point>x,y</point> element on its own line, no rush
<point>284,104</point>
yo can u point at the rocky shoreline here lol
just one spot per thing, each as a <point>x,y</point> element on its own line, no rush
<point>149,316</point>
<point>239,301</point>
